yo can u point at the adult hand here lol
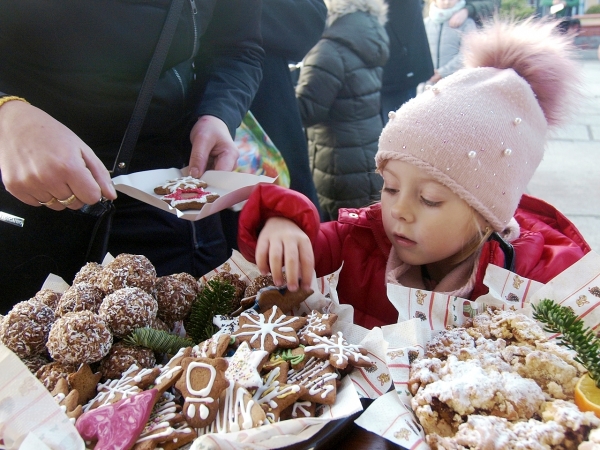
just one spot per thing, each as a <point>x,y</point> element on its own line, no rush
<point>212,146</point>
<point>434,78</point>
<point>42,160</point>
<point>283,243</point>
<point>458,18</point>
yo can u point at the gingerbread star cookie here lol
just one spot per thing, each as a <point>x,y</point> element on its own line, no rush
<point>338,350</point>
<point>317,323</point>
<point>270,330</point>
<point>275,395</point>
<point>318,376</point>
<point>244,366</point>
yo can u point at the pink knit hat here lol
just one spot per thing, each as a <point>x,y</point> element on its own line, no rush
<point>482,131</point>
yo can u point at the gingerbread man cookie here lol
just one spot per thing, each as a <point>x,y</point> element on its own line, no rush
<point>200,385</point>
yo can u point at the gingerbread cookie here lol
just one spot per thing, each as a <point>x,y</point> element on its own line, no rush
<point>319,324</point>
<point>184,199</point>
<point>170,372</point>
<point>202,382</point>
<point>244,366</point>
<point>180,183</point>
<point>338,350</point>
<point>318,376</point>
<point>213,347</point>
<point>281,297</point>
<point>134,380</point>
<point>51,373</point>
<point>275,395</point>
<point>270,330</point>
<point>118,425</point>
<point>85,382</point>
<point>166,424</point>
<point>299,410</point>
<point>67,399</point>
<point>237,411</point>
<point>295,357</point>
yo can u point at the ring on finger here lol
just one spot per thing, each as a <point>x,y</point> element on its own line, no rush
<point>49,202</point>
<point>67,201</point>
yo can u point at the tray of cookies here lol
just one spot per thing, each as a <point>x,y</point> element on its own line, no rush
<point>189,198</point>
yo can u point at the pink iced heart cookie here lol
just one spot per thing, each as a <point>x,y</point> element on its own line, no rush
<point>118,425</point>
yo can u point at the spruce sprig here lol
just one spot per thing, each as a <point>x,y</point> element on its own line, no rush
<point>215,299</point>
<point>575,335</point>
<point>157,340</point>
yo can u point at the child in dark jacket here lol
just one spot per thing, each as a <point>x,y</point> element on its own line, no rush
<point>455,163</point>
<point>338,93</point>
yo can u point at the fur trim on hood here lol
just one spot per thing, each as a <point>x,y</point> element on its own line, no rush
<point>339,8</point>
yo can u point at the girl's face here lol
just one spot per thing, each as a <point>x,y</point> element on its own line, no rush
<point>445,4</point>
<point>425,221</point>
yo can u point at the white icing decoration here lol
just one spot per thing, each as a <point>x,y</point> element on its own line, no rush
<point>263,328</point>
<point>243,366</point>
<point>307,377</point>
<point>338,347</point>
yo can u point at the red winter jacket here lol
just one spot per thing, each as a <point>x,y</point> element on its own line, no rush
<point>547,245</point>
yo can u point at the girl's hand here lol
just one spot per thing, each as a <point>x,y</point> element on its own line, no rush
<point>283,243</point>
<point>42,160</point>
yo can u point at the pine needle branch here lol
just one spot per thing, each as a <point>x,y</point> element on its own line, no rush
<point>215,299</point>
<point>575,335</point>
<point>157,340</point>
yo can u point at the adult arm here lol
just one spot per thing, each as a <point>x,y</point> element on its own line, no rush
<point>230,61</point>
<point>456,62</point>
<point>41,159</point>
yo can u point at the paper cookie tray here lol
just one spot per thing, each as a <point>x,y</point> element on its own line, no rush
<point>232,187</point>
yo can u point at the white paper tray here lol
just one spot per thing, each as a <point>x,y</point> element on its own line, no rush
<point>233,188</point>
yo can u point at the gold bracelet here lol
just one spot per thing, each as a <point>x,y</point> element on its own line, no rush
<point>9,98</point>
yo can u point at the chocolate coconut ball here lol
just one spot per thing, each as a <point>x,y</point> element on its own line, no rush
<point>90,273</point>
<point>239,285</point>
<point>25,328</point>
<point>78,338</point>
<point>158,324</point>
<point>174,299</point>
<point>127,309</point>
<point>48,297</point>
<point>49,374</point>
<point>122,356</point>
<point>80,297</point>
<point>190,282</point>
<point>128,270</point>
<point>34,362</point>
<point>257,284</point>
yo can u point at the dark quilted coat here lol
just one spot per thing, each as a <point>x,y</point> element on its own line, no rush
<point>338,94</point>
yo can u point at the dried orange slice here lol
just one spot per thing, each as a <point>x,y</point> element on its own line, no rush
<point>587,395</point>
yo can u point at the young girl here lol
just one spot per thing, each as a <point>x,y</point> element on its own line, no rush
<point>444,40</point>
<point>455,163</point>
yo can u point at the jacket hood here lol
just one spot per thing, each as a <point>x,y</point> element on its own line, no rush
<point>362,33</point>
<point>339,8</point>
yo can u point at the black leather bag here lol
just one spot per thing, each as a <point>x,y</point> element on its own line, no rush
<point>36,241</point>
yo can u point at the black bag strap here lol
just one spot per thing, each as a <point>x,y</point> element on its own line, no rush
<point>142,103</point>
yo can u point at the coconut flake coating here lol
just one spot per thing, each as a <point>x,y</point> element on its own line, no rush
<point>127,309</point>
<point>90,273</point>
<point>25,328</point>
<point>122,356</point>
<point>174,299</point>
<point>239,285</point>
<point>257,284</point>
<point>34,362</point>
<point>48,297</point>
<point>50,373</point>
<point>80,297</point>
<point>128,270</point>
<point>191,284</point>
<point>78,338</point>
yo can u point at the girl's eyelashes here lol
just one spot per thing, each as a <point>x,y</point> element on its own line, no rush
<point>389,190</point>
<point>430,203</point>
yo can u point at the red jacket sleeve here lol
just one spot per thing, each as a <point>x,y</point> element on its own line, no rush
<point>269,200</point>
